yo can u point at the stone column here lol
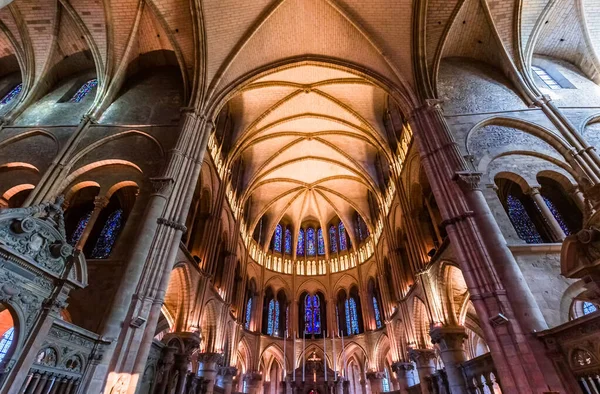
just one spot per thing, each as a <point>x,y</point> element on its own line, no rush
<point>42,384</point>
<point>228,374</point>
<point>559,234</point>
<point>181,365</point>
<point>425,360</point>
<point>253,380</point>
<point>164,367</point>
<point>208,369</point>
<point>503,301</point>
<point>450,341</point>
<point>33,383</point>
<point>99,203</point>
<point>376,381</point>
<point>404,373</point>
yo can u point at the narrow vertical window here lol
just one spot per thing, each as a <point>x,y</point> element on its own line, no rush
<point>83,221</point>
<point>312,314</point>
<point>273,323</point>
<point>277,240</point>
<point>12,94</point>
<point>320,242</point>
<point>521,221</point>
<point>544,76</point>
<point>248,313</point>
<point>108,236</point>
<point>300,246</point>
<point>343,241</point>
<point>310,242</point>
<point>348,317</point>
<point>333,239</point>
<point>377,313</point>
<point>84,90</point>
<point>288,241</point>
<point>557,216</point>
<point>6,342</point>
<point>308,314</point>
<point>353,316</point>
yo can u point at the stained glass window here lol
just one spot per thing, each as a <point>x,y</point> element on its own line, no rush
<point>333,239</point>
<point>108,236</point>
<point>76,236</point>
<point>248,313</point>
<point>312,314</point>
<point>377,313</point>
<point>300,246</point>
<point>342,231</point>
<point>273,323</point>
<point>386,382</point>
<point>6,342</point>
<point>277,240</point>
<point>288,241</point>
<point>522,222</point>
<point>348,323</point>
<point>320,242</point>
<point>588,308</point>
<point>12,94</point>
<point>557,216</point>
<point>353,316</point>
<point>310,242</point>
<point>84,90</point>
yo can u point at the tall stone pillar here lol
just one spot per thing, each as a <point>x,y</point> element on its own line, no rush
<point>227,375</point>
<point>503,301</point>
<point>208,369</point>
<point>425,360</point>
<point>376,381</point>
<point>404,374</point>
<point>559,234</point>
<point>450,342</point>
<point>164,368</point>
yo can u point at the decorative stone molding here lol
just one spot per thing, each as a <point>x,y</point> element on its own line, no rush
<point>228,371</point>
<point>448,337</point>
<point>172,224</point>
<point>372,375</point>
<point>162,185</point>
<point>422,356</point>
<point>402,367</point>
<point>210,357</point>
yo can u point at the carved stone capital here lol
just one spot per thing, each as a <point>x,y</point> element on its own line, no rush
<point>100,202</point>
<point>468,180</point>
<point>210,357</point>
<point>162,186</point>
<point>253,377</point>
<point>373,375</point>
<point>422,356</point>
<point>401,367</point>
<point>448,337</point>
<point>228,371</point>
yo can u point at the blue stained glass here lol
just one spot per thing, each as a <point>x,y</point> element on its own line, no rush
<point>342,231</point>
<point>522,222</point>
<point>300,246</point>
<point>333,239</point>
<point>277,240</point>
<point>557,216</point>
<point>108,236</point>
<point>273,323</point>
<point>353,316</point>
<point>288,241</point>
<point>588,308</point>
<point>320,242</point>
<point>248,314</point>
<point>310,242</point>
<point>312,315</point>
<point>377,313</point>
<point>84,90</point>
<point>6,342</point>
<point>348,323</point>
<point>12,94</point>
<point>76,236</point>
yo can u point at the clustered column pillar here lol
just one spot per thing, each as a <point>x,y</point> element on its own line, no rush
<point>425,360</point>
<point>450,341</point>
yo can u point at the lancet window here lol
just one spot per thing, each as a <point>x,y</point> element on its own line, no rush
<point>83,221</point>
<point>351,316</point>
<point>108,236</point>
<point>310,242</point>
<point>343,240</point>
<point>273,323</point>
<point>277,238</point>
<point>521,221</point>
<point>312,314</point>
<point>84,90</point>
<point>248,316</point>
<point>300,246</point>
<point>333,244</point>
<point>320,242</point>
<point>377,313</point>
<point>288,241</point>
<point>12,94</point>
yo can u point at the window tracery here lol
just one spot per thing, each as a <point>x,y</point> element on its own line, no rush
<point>108,236</point>
<point>12,94</point>
<point>84,90</point>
